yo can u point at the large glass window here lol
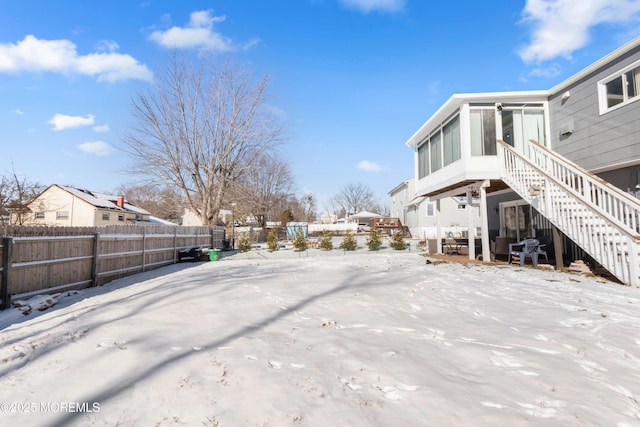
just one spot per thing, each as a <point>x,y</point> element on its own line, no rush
<point>451,138</point>
<point>483,132</point>
<point>423,159</point>
<point>519,126</point>
<point>620,88</point>
<point>435,145</point>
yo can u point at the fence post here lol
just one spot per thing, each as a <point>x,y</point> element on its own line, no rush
<point>144,247</point>
<point>175,243</point>
<point>94,265</point>
<point>7,259</point>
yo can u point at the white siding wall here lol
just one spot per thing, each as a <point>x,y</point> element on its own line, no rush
<point>54,201</point>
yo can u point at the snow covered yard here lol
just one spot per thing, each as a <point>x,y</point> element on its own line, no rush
<point>355,339</point>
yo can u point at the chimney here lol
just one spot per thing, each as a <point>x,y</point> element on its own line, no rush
<point>120,202</point>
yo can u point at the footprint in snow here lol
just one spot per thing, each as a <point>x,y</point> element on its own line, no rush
<point>394,392</point>
<point>492,405</point>
<point>275,365</point>
<point>503,360</point>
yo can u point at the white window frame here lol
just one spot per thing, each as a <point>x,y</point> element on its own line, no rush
<point>602,89</point>
<point>430,206</point>
<point>62,214</point>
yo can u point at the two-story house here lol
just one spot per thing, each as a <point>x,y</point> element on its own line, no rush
<point>430,219</point>
<point>67,206</point>
<point>577,181</point>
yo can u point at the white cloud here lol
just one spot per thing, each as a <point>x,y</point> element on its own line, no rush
<point>547,72</point>
<point>99,148</point>
<point>60,56</point>
<point>62,121</point>
<point>17,111</point>
<point>562,26</point>
<point>367,6</point>
<point>101,128</point>
<point>198,33</point>
<point>368,166</point>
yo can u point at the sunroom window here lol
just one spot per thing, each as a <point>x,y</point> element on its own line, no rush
<point>423,159</point>
<point>483,132</point>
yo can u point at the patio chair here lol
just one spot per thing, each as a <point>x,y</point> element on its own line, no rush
<point>522,250</point>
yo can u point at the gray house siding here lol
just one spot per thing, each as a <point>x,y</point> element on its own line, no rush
<point>597,142</point>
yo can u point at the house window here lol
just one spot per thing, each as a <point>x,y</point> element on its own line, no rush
<point>62,215</point>
<point>105,216</point>
<point>423,159</point>
<point>120,217</point>
<point>483,132</point>
<point>139,217</point>
<point>39,215</point>
<point>431,209</point>
<point>620,88</point>
<point>451,138</point>
<point>462,206</point>
<point>435,146</point>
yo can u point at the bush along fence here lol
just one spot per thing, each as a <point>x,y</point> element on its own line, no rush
<point>35,260</point>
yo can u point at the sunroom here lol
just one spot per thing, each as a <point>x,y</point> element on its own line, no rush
<point>455,150</point>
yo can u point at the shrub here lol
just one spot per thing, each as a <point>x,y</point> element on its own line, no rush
<point>397,241</point>
<point>300,243</point>
<point>325,242</point>
<point>244,243</point>
<point>349,243</point>
<point>272,240</point>
<point>374,241</point>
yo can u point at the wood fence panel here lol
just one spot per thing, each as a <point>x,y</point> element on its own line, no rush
<point>43,259</point>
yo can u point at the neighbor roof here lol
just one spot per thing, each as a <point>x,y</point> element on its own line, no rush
<point>104,201</point>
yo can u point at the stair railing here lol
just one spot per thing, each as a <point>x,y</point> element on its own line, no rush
<point>598,217</point>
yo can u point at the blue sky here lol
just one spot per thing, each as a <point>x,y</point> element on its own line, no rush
<point>353,79</point>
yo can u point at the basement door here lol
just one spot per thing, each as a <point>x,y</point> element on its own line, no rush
<point>515,220</point>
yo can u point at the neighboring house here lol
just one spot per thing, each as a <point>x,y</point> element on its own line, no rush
<point>66,206</point>
<point>478,146</point>
<point>428,219</point>
<point>191,218</point>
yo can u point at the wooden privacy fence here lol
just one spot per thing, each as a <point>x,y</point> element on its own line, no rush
<point>38,259</point>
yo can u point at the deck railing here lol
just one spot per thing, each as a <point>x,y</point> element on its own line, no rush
<point>597,216</point>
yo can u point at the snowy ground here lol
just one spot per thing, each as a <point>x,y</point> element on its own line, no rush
<point>328,339</point>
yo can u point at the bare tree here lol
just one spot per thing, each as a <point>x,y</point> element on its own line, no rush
<point>202,127</point>
<point>304,208</point>
<point>16,193</point>
<point>266,188</point>
<point>354,198</point>
<point>161,201</point>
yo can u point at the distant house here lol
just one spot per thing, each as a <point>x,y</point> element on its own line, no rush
<point>191,217</point>
<point>67,206</point>
<point>427,218</point>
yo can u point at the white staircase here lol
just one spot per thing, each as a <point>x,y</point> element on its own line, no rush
<point>596,215</point>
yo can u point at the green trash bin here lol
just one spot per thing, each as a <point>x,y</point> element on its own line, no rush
<point>214,254</point>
